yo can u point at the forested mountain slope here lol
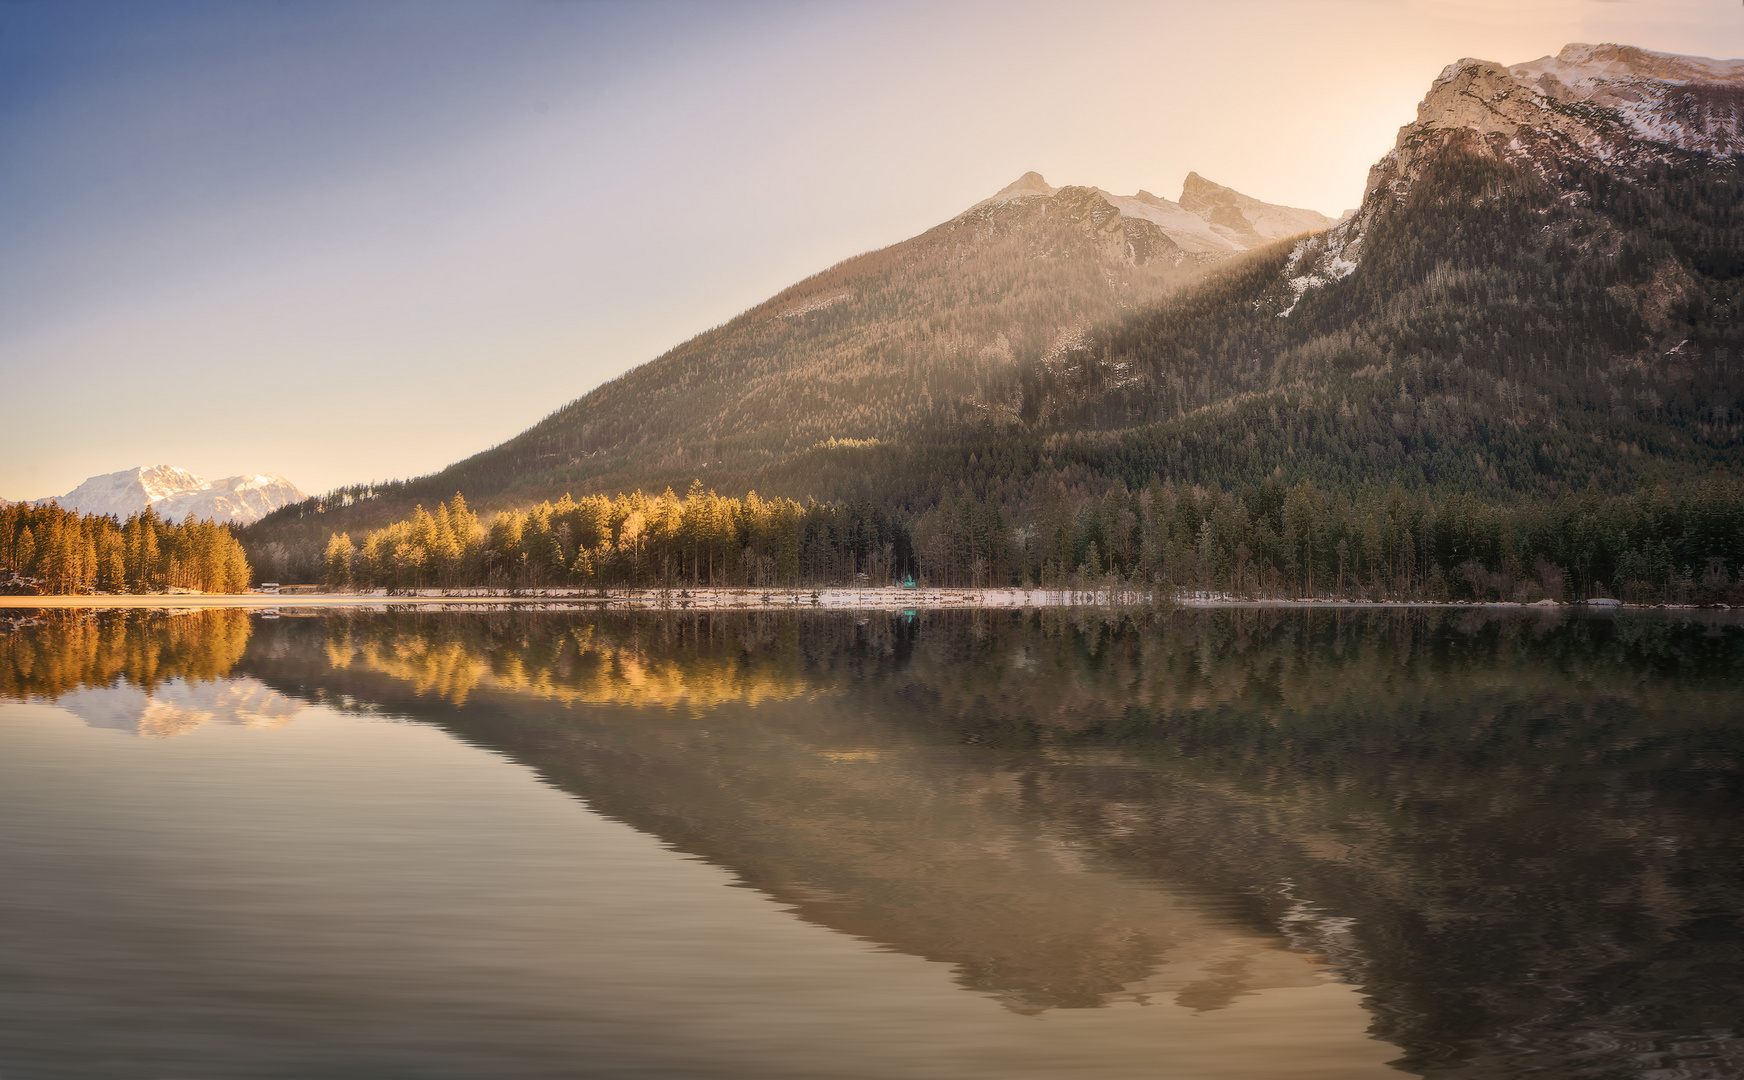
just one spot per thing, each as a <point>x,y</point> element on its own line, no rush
<point>883,344</point>
<point>1529,302</point>
<point>870,352</point>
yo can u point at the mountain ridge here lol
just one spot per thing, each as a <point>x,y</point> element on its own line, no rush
<point>177,494</point>
<point>1208,220</point>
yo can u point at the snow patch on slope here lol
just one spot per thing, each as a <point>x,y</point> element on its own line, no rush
<point>1330,266</point>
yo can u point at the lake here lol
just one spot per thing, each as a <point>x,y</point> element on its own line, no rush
<point>1214,843</point>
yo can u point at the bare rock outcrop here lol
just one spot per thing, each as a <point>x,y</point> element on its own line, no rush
<point>1613,105</point>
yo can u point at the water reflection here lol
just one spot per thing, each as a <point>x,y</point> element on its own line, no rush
<point>60,651</point>
<point>153,674</point>
<point>571,663</point>
<point>1519,835</point>
<point>177,706</point>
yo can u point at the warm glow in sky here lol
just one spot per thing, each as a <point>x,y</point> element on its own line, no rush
<point>356,241</point>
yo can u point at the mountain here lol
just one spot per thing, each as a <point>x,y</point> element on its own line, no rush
<point>127,492</point>
<point>177,494</point>
<point>1537,297</point>
<point>1514,365</point>
<point>865,354</point>
<point>880,346</point>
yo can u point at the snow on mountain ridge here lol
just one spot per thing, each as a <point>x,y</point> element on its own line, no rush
<point>128,491</point>
<point>1598,98</point>
<point>239,499</point>
<point>177,494</point>
<point>1184,227</point>
<point>1581,66</point>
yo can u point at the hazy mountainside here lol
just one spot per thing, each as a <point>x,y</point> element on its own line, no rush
<point>177,494</point>
<point>875,348</point>
<point>1242,221</point>
<point>873,351</point>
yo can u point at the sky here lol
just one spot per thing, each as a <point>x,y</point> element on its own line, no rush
<point>360,241</point>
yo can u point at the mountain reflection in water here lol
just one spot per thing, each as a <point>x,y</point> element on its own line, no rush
<point>1517,834</point>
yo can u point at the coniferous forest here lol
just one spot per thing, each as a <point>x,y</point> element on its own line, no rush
<point>48,549</point>
<point>1268,541</point>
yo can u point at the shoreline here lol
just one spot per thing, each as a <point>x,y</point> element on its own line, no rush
<point>729,599</point>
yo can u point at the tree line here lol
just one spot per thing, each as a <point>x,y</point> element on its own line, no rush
<point>1277,540</point>
<point>62,551</point>
<point>634,540</point>
<point>1266,540</point>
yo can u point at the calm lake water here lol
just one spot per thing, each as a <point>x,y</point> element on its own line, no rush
<point>1211,844</point>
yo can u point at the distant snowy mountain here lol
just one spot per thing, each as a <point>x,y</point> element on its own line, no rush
<point>127,492</point>
<point>241,499</point>
<point>177,494</point>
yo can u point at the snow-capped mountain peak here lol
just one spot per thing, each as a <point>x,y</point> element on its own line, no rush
<point>177,494</point>
<point>1604,100</point>
<point>128,491</point>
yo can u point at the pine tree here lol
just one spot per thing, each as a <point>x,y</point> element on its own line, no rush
<point>25,552</point>
<point>340,552</point>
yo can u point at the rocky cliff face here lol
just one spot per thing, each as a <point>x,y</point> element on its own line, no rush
<point>1616,107</point>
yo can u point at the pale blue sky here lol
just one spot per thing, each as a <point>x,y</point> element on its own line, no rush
<point>358,241</point>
